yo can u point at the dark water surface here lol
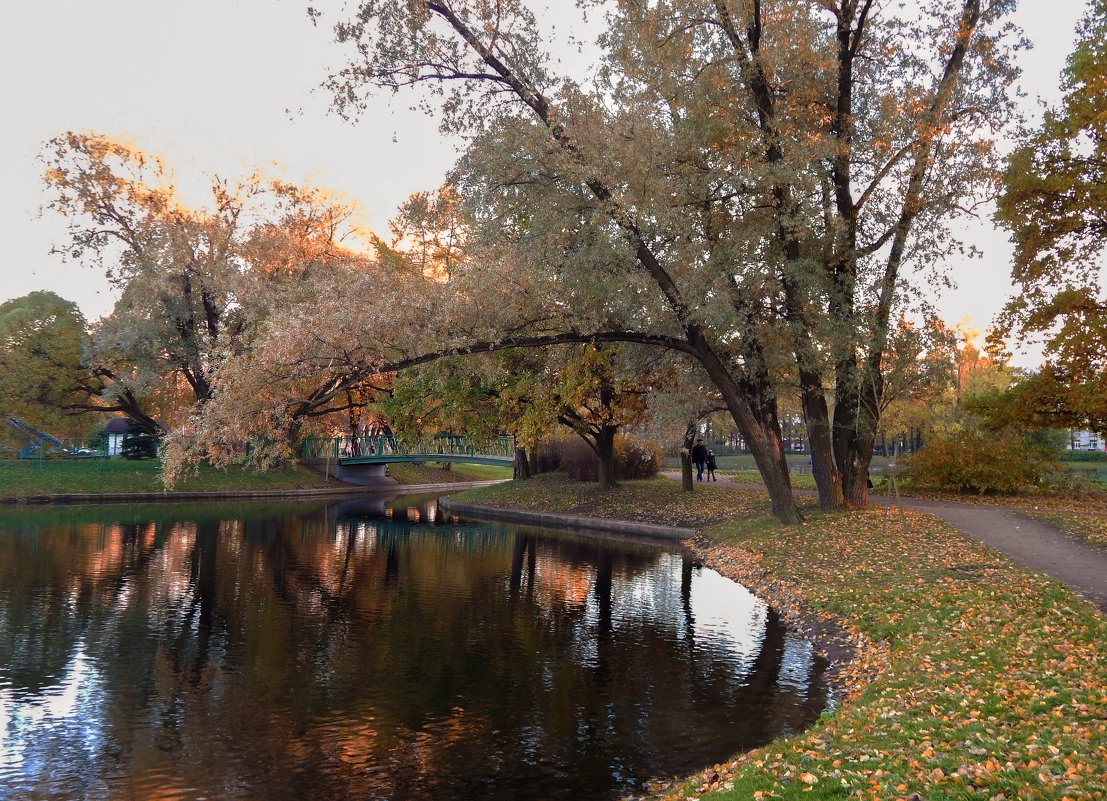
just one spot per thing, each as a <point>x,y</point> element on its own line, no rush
<point>352,651</point>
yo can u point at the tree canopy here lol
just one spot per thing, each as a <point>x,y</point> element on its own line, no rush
<point>745,182</point>
<point>756,185</point>
<point>197,283</point>
<point>42,341</point>
<point>1055,205</point>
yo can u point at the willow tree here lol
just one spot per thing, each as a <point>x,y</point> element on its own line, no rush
<point>742,181</point>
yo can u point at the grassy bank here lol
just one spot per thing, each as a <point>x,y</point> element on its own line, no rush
<point>973,677</point>
<point>434,473</point>
<point>31,479</point>
<point>36,479</point>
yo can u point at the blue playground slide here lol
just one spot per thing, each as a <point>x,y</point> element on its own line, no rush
<point>32,449</point>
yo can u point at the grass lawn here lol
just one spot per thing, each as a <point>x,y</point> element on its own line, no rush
<point>1085,520</point>
<point>434,473</point>
<point>23,479</point>
<point>27,479</point>
<point>973,679</point>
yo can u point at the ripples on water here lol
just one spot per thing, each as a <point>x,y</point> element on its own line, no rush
<point>358,652</point>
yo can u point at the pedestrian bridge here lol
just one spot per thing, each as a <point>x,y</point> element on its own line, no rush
<point>366,457</point>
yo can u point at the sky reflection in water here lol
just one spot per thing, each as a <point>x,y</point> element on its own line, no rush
<point>356,651</point>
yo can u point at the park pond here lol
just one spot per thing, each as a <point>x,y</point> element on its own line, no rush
<point>371,649</point>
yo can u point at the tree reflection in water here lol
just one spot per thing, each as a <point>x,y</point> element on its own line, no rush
<point>354,651</point>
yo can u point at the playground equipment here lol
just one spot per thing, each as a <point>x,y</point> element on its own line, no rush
<point>34,447</point>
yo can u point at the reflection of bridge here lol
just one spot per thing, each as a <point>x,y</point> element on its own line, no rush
<point>367,456</point>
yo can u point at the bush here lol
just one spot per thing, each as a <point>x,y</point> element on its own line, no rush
<point>972,461</point>
<point>633,460</point>
<point>139,446</point>
<point>1084,456</point>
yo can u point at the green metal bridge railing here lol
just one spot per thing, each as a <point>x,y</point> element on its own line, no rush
<point>382,446</point>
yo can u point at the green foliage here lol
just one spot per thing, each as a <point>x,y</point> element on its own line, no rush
<point>1050,398</point>
<point>42,338</point>
<point>1055,205</point>
<point>975,461</point>
<point>1083,456</point>
<point>139,446</point>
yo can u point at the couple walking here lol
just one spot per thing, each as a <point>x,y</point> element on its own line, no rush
<point>701,458</point>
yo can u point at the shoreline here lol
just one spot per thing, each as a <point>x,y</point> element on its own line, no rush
<point>352,490</point>
<point>839,645</point>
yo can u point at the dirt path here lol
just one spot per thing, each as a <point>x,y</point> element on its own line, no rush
<point>1040,546</point>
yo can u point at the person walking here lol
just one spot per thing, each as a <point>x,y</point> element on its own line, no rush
<point>711,466</point>
<point>699,457</point>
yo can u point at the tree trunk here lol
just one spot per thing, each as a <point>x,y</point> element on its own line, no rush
<point>815,412</point>
<point>605,456</point>
<point>522,466</point>
<point>686,458</point>
<point>768,453</point>
<point>750,403</point>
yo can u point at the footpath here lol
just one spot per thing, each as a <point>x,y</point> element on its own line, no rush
<point>1042,547</point>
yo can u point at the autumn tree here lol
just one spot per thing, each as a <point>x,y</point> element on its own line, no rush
<point>1055,205</point>
<point>42,340</point>
<point>196,284</point>
<point>746,183</point>
<point>595,392</point>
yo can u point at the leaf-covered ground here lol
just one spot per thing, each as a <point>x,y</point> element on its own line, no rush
<point>1082,519</point>
<point>973,678</point>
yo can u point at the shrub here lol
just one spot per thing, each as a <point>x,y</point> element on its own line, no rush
<point>1084,456</point>
<point>973,461</point>
<point>633,459</point>
<point>577,459</point>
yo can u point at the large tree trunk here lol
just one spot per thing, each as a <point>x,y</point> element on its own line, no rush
<point>817,416</point>
<point>522,466</point>
<point>856,420</point>
<point>686,458</point>
<point>762,433</point>
<point>605,456</point>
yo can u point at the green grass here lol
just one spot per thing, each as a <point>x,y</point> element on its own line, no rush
<point>36,479</point>
<point>973,678</point>
<point>435,473</point>
<point>799,480</point>
<point>25,479</point>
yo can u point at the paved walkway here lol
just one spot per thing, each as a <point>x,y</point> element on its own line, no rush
<point>1040,546</point>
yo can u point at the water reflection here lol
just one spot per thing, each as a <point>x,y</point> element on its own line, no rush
<point>364,651</point>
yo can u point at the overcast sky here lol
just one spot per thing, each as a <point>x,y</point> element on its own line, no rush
<point>226,85</point>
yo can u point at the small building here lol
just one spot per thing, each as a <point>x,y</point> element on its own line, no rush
<point>1086,441</point>
<point>117,429</point>
<point>113,432</point>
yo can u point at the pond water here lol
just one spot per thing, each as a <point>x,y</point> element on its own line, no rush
<point>373,651</point>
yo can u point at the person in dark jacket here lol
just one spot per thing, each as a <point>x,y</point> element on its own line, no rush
<point>711,465</point>
<point>699,457</point>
